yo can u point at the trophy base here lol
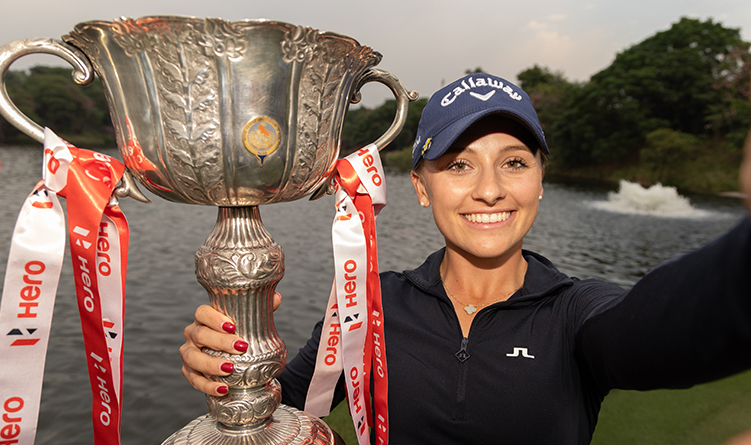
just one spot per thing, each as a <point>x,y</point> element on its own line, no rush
<point>287,426</point>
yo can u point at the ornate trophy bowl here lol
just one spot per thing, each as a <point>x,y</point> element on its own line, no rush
<point>234,115</point>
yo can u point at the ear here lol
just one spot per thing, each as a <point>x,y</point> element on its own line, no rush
<point>420,189</point>
<point>542,176</point>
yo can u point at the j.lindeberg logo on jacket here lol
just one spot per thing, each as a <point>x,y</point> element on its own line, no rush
<point>520,352</point>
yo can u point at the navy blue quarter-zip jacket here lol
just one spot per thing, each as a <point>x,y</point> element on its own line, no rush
<point>534,369</point>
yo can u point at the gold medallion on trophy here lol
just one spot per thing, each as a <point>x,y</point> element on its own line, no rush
<point>261,137</point>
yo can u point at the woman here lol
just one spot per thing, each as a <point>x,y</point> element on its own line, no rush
<point>489,343</point>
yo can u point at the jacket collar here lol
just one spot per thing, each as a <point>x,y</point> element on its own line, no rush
<point>542,278</point>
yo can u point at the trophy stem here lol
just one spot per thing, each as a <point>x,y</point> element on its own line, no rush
<point>240,265</point>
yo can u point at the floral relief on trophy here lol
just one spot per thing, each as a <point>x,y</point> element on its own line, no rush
<point>227,269</point>
<point>184,57</point>
<point>259,373</point>
<point>329,67</point>
<point>251,370</point>
<point>245,408</point>
<point>222,38</point>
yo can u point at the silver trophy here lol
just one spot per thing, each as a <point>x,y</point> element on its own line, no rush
<point>234,115</point>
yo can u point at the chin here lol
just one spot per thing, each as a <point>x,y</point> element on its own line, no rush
<point>492,252</point>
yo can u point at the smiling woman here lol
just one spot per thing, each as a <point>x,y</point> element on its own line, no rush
<point>484,330</point>
<point>484,192</point>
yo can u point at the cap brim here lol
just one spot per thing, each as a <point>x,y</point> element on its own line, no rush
<point>446,138</point>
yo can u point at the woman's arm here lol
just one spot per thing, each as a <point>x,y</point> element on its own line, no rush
<point>686,322</point>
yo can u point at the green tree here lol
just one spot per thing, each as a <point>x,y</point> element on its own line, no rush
<point>675,79</point>
<point>666,148</point>
<point>540,75</point>
<point>50,97</point>
<point>731,115</point>
<point>363,125</point>
<point>549,92</point>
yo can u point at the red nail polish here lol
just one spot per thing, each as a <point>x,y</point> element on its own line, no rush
<point>229,327</point>
<point>241,346</point>
<point>222,390</point>
<point>228,366</point>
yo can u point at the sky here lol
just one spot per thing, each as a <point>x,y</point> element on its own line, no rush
<point>426,44</point>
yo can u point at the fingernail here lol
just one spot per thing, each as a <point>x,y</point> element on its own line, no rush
<point>228,367</point>
<point>241,346</point>
<point>222,390</point>
<point>229,327</point>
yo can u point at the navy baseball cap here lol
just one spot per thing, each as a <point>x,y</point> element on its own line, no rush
<point>453,108</point>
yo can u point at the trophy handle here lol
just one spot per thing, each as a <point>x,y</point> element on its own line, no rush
<point>403,98</point>
<point>83,74</point>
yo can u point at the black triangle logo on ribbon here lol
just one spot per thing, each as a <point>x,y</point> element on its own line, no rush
<point>31,330</point>
<point>352,318</point>
<point>113,334</point>
<point>15,332</point>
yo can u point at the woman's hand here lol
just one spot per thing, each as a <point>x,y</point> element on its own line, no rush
<point>214,330</point>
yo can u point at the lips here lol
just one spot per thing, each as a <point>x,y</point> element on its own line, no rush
<point>486,217</point>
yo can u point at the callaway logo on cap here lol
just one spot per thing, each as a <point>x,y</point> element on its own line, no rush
<point>453,108</point>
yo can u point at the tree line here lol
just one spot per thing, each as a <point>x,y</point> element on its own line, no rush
<point>661,101</point>
<point>50,97</point>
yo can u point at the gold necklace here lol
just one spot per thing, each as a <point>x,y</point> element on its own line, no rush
<point>471,308</point>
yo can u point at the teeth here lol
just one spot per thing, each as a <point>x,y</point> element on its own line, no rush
<point>487,217</point>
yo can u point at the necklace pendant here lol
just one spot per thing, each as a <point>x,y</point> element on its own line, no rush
<point>470,309</point>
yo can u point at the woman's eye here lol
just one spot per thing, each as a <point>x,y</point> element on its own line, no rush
<point>458,166</point>
<point>516,164</point>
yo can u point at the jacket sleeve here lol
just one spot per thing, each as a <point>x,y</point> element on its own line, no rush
<point>686,322</point>
<point>296,376</point>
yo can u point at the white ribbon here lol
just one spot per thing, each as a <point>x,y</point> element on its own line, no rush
<point>351,264</point>
<point>31,278</point>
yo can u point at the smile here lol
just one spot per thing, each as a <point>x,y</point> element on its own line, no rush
<point>486,217</point>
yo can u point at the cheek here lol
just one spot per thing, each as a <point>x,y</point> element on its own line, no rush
<point>430,189</point>
<point>528,192</point>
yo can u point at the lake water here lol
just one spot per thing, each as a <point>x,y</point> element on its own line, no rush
<point>572,229</point>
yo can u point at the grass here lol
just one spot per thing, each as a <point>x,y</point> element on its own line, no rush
<point>340,421</point>
<point>706,414</point>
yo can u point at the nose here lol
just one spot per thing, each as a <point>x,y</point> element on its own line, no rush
<point>489,186</point>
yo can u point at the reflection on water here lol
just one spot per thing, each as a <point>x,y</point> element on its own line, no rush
<point>656,200</point>
<point>162,291</point>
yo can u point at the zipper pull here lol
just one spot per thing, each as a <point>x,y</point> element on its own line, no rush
<point>463,355</point>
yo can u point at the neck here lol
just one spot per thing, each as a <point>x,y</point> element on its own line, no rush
<point>481,280</point>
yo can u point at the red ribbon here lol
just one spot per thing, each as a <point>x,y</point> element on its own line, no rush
<point>374,355</point>
<point>91,179</point>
